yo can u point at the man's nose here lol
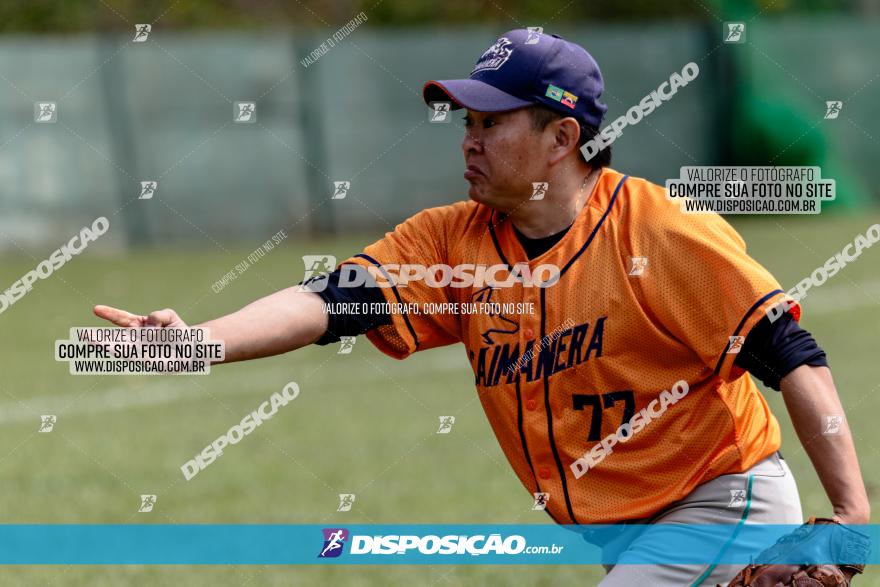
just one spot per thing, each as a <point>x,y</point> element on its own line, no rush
<point>471,142</point>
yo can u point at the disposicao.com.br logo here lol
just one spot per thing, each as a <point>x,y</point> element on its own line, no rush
<point>452,544</point>
<point>334,540</point>
<point>500,275</point>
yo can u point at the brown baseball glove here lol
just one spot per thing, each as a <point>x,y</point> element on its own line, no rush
<point>843,545</point>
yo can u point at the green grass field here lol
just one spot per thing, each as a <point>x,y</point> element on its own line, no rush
<point>363,423</point>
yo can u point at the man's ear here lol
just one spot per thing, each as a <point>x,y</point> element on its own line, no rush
<point>567,133</point>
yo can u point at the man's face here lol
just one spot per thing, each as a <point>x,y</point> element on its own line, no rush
<point>503,156</point>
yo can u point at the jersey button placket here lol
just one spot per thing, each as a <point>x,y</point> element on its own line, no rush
<point>531,403</point>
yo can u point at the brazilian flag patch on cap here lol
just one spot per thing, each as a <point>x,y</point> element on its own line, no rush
<point>554,92</point>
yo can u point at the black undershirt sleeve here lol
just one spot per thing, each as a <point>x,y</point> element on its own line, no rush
<point>351,323</point>
<point>772,350</point>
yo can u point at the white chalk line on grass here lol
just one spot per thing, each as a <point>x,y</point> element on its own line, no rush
<point>111,400</point>
<point>122,398</point>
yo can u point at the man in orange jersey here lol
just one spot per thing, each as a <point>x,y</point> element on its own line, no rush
<point>611,336</point>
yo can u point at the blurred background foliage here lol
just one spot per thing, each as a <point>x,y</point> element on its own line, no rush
<point>92,15</point>
<point>161,110</point>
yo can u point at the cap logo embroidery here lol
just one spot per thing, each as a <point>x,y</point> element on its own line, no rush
<point>495,56</point>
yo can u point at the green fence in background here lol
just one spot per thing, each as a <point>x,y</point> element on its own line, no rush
<point>163,110</point>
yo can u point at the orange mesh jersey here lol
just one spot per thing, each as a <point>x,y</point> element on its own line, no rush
<point>646,296</point>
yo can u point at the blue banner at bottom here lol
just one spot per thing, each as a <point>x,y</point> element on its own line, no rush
<point>435,544</point>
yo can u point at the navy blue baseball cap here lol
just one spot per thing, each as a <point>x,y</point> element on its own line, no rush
<point>523,68</point>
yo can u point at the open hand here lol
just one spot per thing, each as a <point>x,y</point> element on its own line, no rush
<point>166,318</point>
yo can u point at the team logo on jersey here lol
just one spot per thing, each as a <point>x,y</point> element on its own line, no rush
<point>495,56</point>
<point>147,503</point>
<point>446,423</point>
<point>148,189</point>
<point>737,498</point>
<point>539,190</point>
<point>141,32</point>
<point>334,541</point>
<point>245,112</point>
<point>637,265</point>
<point>47,423</point>
<point>735,32</point>
<point>340,189</point>
<point>541,500</point>
<point>544,357</point>
<point>534,35</point>
<point>833,425</point>
<point>507,325</point>
<point>346,500</point>
<point>832,109</point>
<point>735,344</point>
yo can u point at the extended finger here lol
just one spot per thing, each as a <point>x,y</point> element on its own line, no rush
<point>118,317</point>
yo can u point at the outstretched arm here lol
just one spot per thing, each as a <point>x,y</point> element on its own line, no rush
<point>810,397</point>
<point>278,323</point>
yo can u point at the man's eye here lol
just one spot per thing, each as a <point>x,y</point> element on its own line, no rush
<point>487,122</point>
